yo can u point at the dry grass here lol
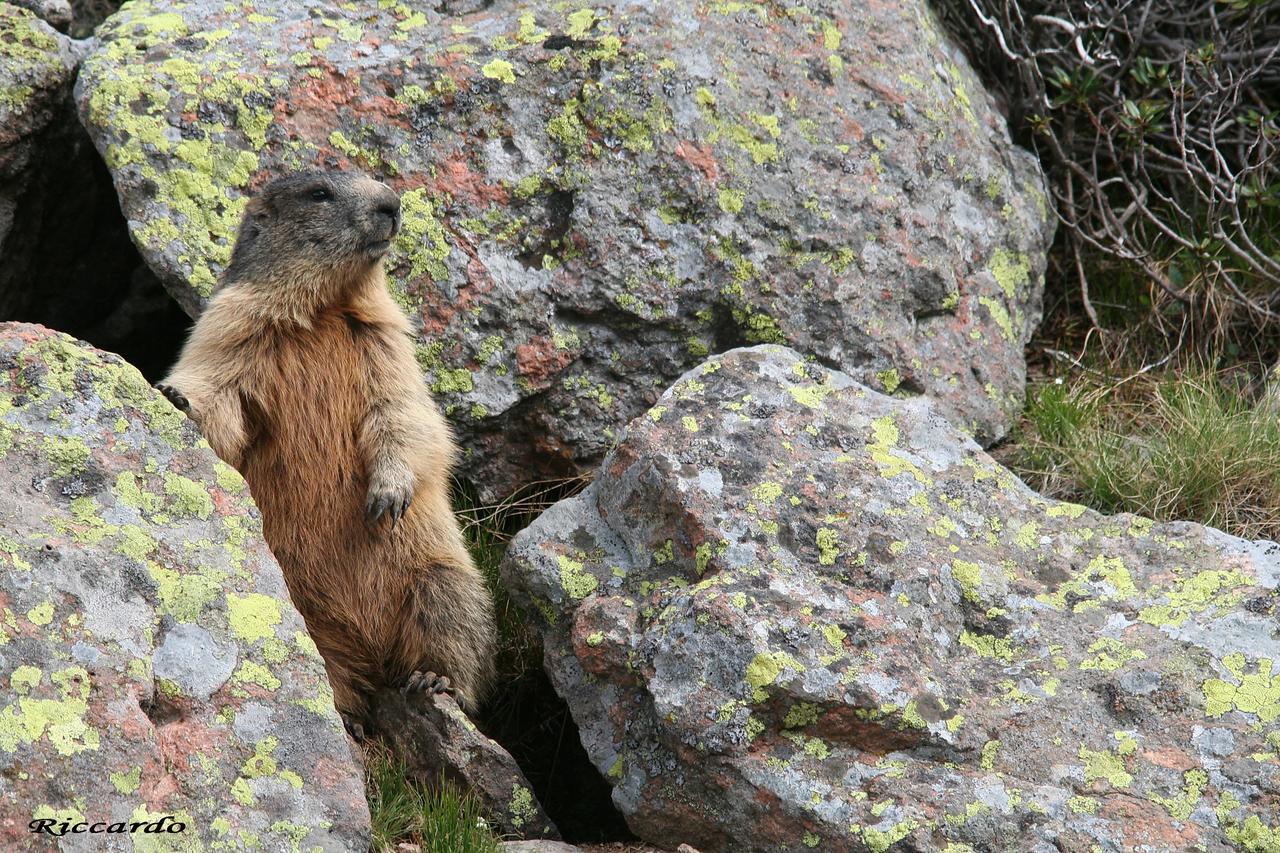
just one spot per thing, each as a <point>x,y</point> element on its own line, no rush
<point>1181,445</point>
<point>489,528</point>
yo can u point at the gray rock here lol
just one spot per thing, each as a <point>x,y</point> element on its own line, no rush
<point>65,256</point>
<point>55,13</point>
<point>37,67</point>
<point>436,739</point>
<point>193,660</point>
<point>791,612</point>
<point>598,196</point>
<point>150,660</point>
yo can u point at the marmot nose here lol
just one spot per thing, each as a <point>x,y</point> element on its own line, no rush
<point>390,208</point>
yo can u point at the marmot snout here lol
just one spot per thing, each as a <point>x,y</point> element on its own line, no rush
<point>301,374</point>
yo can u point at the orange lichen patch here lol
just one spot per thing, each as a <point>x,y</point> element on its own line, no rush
<point>224,503</point>
<point>134,725</point>
<point>28,334</point>
<point>617,716</point>
<point>182,739</point>
<point>456,178</point>
<point>540,359</point>
<point>1174,759</point>
<point>435,311</point>
<point>844,725</point>
<point>158,791</point>
<point>459,63</point>
<point>852,129</point>
<point>308,111</point>
<point>902,239</point>
<point>883,203</point>
<point>891,94</point>
<point>622,458</point>
<point>681,813</point>
<point>700,158</point>
<point>594,659</point>
<point>1146,825</point>
<point>329,772</point>
<point>478,276</point>
<point>14,833</point>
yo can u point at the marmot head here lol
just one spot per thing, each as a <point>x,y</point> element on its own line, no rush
<point>314,226</point>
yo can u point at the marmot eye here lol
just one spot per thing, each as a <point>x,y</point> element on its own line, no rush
<point>320,194</point>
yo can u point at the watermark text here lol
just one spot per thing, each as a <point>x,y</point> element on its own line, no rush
<point>53,826</point>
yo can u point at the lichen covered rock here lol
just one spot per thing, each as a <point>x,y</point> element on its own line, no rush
<point>438,740</point>
<point>596,196</point>
<point>792,613</point>
<point>150,661</point>
<point>37,66</point>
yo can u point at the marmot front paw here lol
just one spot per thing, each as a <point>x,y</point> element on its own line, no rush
<point>393,502</point>
<point>173,395</point>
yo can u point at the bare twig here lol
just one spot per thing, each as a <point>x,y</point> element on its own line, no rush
<point>1159,124</point>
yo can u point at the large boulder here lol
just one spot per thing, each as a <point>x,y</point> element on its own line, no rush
<point>792,613</point>
<point>150,661</point>
<point>596,196</point>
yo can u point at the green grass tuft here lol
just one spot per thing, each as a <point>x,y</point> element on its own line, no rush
<point>1184,445</point>
<point>488,529</point>
<point>439,818</point>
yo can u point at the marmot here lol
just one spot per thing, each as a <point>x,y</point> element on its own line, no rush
<point>301,374</point>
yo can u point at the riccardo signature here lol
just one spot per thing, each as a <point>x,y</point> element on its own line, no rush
<point>53,826</point>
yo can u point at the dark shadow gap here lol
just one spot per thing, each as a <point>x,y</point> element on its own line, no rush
<point>523,713</point>
<point>534,724</point>
<point>69,263</point>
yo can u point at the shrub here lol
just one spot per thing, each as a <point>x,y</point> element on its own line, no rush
<point>1157,123</point>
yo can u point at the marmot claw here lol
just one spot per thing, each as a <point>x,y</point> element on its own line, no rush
<point>392,503</point>
<point>173,395</point>
<point>427,682</point>
<point>354,726</point>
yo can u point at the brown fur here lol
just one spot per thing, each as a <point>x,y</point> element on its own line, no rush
<point>301,374</point>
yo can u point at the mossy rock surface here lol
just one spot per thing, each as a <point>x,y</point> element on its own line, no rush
<point>792,612</point>
<point>37,65</point>
<point>150,660</point>
<point>598,196</point>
